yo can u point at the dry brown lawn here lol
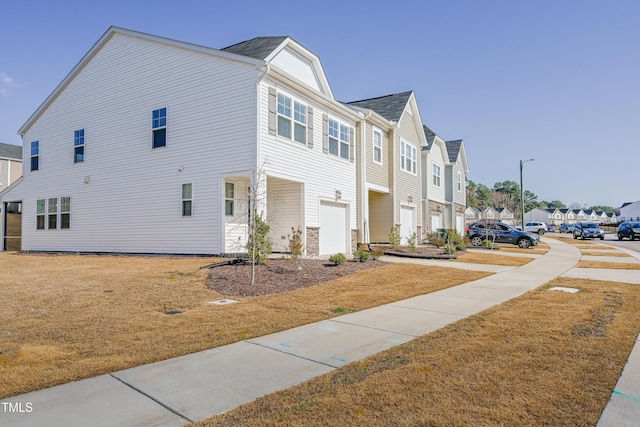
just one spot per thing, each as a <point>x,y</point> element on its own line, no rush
<point>492,257</point>
<point>68,317</point>
<point>612,265</point>
<point>607,253</point>
<point>547,358</point>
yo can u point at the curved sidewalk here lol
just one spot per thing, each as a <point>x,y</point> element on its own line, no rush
<point>200,385</point>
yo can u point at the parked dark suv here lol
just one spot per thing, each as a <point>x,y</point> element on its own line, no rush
<point>588,230</point>
<point>499,232</point>
<point>631,230</point>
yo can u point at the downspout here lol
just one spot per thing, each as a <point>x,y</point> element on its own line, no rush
<point>261,77</point>
<point>364,194</point>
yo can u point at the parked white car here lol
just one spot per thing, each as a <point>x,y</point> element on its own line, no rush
<point>534,227</point>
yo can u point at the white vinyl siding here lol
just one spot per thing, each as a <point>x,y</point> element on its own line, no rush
<point>211,109</point>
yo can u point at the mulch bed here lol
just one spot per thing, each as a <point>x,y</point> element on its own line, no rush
<point>278,276</point>
<point>422,251</point>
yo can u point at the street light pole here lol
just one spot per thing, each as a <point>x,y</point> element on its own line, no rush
<point>522,162</point>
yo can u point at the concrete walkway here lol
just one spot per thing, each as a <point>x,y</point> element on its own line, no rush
<point>200,385</point>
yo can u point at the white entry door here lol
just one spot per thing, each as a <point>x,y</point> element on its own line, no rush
<point>406,224</point>
<point>333,228</point>
<point>435,222</point>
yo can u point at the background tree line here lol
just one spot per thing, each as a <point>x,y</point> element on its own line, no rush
<point>506,194</point>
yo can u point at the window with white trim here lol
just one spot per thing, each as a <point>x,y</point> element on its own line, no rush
<point>229,198</point>
<point>459,182</point>
<point>52,214</point>
<point>78,146</point>
<point>41,208</point>
<point>187,200</point>
<point>377,146</point>
<point>159,126</point>
<point>408,157</point>
<point>338,139</point>
<point>435,174</point>
<point>35,155</point>
<point>292,119</point>
<point>65,212</point>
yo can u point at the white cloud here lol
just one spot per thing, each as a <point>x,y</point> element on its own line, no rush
<point>7,83</point>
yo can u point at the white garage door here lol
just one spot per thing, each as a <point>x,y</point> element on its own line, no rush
<point>333,228</point>
<point>460,224</point>
<point>406,224</point>
<point>435,222</point>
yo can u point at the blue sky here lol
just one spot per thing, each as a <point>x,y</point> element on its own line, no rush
<point>553,80</point>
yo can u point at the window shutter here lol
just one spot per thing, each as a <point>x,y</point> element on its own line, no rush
<point>310,127</point>
<point>272,111</point>
<point>325,133</point>
<point>352,146</point>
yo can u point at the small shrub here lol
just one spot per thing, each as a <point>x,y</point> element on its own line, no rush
<point>337,259</point>
<point>361,256</point>
<point>394,237</point>
<point>295,246</point>
<point>376,253</point>
<point>455,240</point>
<point>412,242</point>
<point>258,243</point>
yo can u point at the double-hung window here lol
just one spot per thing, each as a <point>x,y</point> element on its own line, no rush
<point>435,174</point>
<point>52,214</point>
<point>159,125</point>
<point>229,198</point>
<point>78,146</point>
<point>338,139</point>
<point>35,155</point>
<point>292,119</point>
<point>377,146</point>
<point>40,213</point>
<point>65,212</point>
<point>459,182</point>
<point>187,200</point>
<point>408,157</point>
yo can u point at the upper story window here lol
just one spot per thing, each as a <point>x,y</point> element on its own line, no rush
<point>292,119</point>
<point>435,174</point>
<point>187,200</point>
<point>377,146</point>
<point>338,139</point>
<point>35,155</point>
<point>78,146</point>
<point>229,198</point>
<point>408,157</point>
<point>459,182</point>
<point>159,125</point>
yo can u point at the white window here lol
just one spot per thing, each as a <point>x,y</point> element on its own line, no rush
<point>377,146</point>
<point>292,119</point>
<point>65,212</point>
<point>459,182</point>
<point>53,214</point>
<point>229,198</point>
<point>408,157</point>
<point>187,200</point>
<point>435,171</point>
<point>338,139</point>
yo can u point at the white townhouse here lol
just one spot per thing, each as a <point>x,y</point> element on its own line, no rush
<point>152,145</point>
<point>444,182</point>
<point>389,172</point>
<point>10,164</point>
<point>629,211</point>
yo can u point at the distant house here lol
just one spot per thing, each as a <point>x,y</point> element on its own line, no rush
<point>472,214</point>
<point>505,215</point>
<point>10,164</point>
<point>629,211</point>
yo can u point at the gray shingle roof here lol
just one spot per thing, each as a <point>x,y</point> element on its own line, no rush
<point>8,151</point>
<point>259,47</point>
<point>453,148</point>
<point>390,106</point>
<point>431,135</point>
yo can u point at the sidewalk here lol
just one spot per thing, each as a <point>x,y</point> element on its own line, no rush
<point>200,385</point>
